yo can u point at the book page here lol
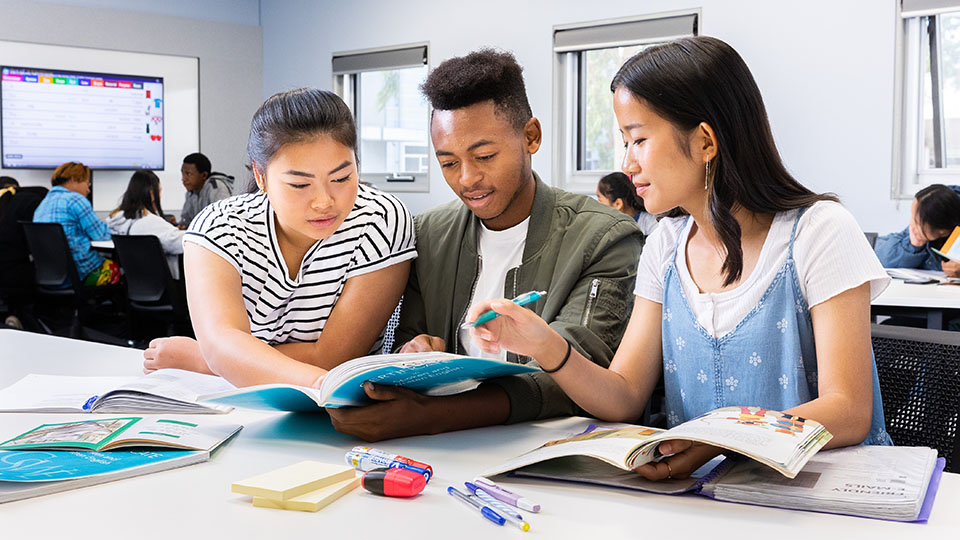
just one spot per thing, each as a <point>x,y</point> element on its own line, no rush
<point>55,392</point>
<point>84,435</point>
<point>193,434</point>
<point>156,390</point>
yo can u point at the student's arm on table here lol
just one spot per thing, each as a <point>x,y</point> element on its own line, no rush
<point>223,330</point>
<point>896,250</point>
<point>357,319</point>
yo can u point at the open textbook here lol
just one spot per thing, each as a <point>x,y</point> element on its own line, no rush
<point>162,391</point>
<point>112,433</point>
<point>920,276</point>
<point>31,473</point>
<point>776,439</point>
<point>894,483</point>
<point>432,373</point>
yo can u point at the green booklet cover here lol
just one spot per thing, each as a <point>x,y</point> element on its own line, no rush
<point>132,431</point>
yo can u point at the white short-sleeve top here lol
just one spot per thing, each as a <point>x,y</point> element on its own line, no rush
<point>377,233</point>
<point>831,252</point>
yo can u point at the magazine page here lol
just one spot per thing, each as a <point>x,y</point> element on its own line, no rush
<point>777,439</point>
<point>887,482</point>
<point>84,435</point>
<point>56,393</point>
<point>164,390</point>
<point>611,443</point>
<point>269,397</point>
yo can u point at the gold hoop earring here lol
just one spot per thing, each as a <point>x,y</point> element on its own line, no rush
<point>706,177</point>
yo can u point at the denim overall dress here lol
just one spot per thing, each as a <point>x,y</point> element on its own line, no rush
<point>768,360</point>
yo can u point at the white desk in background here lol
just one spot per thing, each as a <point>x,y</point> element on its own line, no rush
<point>102,245</point>
<point>196,502</point>
<point>929,301</point>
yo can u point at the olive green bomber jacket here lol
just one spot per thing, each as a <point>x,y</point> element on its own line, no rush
<point>583,253</point>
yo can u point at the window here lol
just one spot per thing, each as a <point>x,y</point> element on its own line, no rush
<point>587,56</point>
<point>928,145</point>
<point>381,87</point>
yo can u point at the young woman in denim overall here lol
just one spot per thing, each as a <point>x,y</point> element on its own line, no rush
<point>731,325</point>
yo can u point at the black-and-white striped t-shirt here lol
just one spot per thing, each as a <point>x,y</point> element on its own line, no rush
<point>377,233</point>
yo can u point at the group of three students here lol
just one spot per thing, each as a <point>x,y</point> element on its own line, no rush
<point>751,291</point>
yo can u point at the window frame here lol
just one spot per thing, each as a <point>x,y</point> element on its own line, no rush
<point>909,174</point>
<point>569,84</point>
<point>346,84</point>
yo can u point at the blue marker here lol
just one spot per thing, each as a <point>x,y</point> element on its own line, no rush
<point>509,513</point>
<point>472,501</point>
<point>522,300</point>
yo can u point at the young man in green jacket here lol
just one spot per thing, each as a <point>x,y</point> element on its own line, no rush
<point>508,234</point>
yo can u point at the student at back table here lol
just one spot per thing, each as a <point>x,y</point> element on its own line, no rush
<point>301,274</point>
<point>508,233</point>
<point>755,293</point>
<point>934,213</point>
<point>67,204</point>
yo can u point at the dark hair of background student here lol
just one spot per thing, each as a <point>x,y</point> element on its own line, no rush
<point>298,116</point>
<point>483,75</point>
<point>69,171</point>
<point>617,185</point>
<point>200,161</point>
<point>143,193</point>
<point>938,208</point>
<point>702,79</point>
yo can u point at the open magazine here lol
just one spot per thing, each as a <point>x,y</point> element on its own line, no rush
<point>432,373</point>
<point>778,440</point>
<point>112,433</point>
<point>162,391</point>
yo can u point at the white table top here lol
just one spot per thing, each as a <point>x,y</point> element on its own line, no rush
<point>196,502</point>
<point>932,296</point>
<point>102,244</point>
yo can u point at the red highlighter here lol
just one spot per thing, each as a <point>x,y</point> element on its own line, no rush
<point>393,482</point>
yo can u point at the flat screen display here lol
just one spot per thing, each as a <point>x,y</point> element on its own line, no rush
<point>106,121</point>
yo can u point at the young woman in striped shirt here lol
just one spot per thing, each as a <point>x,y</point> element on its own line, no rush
<point>302,273</point>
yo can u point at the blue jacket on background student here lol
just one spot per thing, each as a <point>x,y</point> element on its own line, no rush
<point>895,250</point>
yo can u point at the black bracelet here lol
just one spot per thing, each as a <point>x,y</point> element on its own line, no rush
<point>562,362</point>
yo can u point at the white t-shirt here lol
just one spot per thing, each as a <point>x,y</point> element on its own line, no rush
<point>832,255</point>
<point>499,252</point>
<point>242,230</point>
<point>171,238</point>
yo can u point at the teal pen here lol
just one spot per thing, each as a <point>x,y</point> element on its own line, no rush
<point>522,300</point>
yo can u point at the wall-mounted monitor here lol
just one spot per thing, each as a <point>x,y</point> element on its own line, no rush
<point>104,120</point>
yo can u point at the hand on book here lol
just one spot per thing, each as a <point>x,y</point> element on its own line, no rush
<point>174,352</point>
<point>951,268</point>
<point>424,343</point>
<point>399,413</point>
<point>684,457</point>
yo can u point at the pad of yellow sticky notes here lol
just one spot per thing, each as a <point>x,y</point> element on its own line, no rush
<point>307,486</point>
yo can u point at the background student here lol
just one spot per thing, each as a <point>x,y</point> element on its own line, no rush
<point>140,213</point>
<point>616,191</point>
<point>67,205</point>
<point>934,213</point>
<point>756,292</point>
<point>203,185</point>
<point>508,233</point>
<point>16,271</point>
<point>301,274</point>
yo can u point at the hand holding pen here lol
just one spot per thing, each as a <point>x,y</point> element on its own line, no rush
<point>511,327</point>
<point>522,300</point>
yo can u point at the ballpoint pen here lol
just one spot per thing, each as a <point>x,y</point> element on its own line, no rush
<point>522,300</point>
<point>510,514</point>
<point>473,502</point>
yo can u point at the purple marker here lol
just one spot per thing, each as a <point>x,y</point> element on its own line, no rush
<point>506,496</point>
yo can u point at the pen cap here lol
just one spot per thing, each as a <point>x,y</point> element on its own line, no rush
<point>393,482</point>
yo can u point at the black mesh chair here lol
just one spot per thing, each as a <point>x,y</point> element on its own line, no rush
<point>151,290</point>
<point>56,274</point>
<point>919,372</point>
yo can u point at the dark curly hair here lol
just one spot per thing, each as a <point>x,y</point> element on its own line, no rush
<point>482,75</point>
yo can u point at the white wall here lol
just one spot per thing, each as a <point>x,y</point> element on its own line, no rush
<point>826,70</point>
<point>231,75</point>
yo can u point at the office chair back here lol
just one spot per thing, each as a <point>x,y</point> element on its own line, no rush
<point>52,261</point>
<point>919,373</point>
<point>871,238</point>
<point>145,268</point>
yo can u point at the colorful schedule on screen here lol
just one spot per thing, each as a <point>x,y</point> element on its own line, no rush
<point>106,121</point>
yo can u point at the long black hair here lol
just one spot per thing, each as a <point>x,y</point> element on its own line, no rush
<point>702,79</point>
<point>617,185</point>
<point>143,193</point>
<point>297,116</point>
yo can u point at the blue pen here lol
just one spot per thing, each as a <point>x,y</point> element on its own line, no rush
<point>484,510</point>
<point>522,300</point>
<point>509,513</point>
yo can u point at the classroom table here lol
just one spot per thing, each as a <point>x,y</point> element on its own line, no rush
<point>102,245</point>
<point>929,301</point>
<point>196,502</point>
